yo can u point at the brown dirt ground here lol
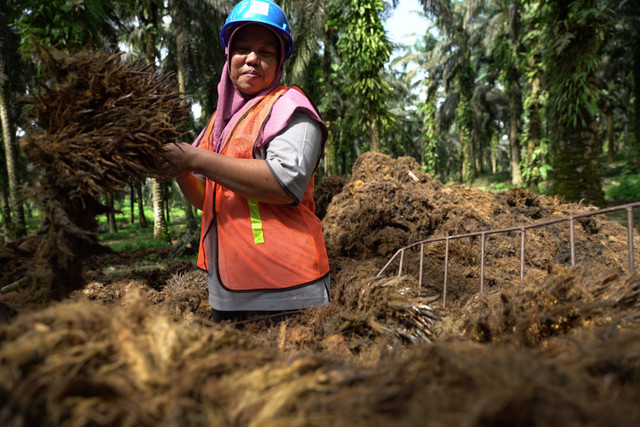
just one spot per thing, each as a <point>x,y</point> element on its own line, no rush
<point>135,346</point>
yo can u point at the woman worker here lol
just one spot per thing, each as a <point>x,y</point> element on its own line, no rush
<point>250,171</point>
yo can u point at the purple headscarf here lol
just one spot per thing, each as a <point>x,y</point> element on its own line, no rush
<point>232,103</point>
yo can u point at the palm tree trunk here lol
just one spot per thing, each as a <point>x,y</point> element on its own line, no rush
<point>189,216</point>
<point>610,143</point>
<point>165,202</point>
<point>374,134</point>
<point>149,17</point>
<point>514,143</point>
<point>466,157</point>
<point>577,148</point>
<point>330,149</point>
<point>476,149</point>
<point>180,25</point>
<point>111,216</point>
<point>11,155</point>
<point>514,93</point>
<point>465,124</point>
<point>577,165</point>
<point>160,229</point>
<point>142,219</point>
<point>534,133</point>
<point>6,216</point>
<point>465,117</point>
<point>634,157</point>
<point>132,198</point>
<point>330,152</point>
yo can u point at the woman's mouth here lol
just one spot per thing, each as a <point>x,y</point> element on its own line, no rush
<point>251,73</point>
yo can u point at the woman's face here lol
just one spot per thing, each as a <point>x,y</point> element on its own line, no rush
<point>254,58</point>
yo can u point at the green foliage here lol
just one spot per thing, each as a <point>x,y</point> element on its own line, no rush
<point>431,155</point>
<point>572,56</point>
<point>364,51</point>
<point>67,24</point>
<point>132,237</point>
<point>342,53</point>
<point>500,186</point>
<point>628,188</point>
<point>535,168</point>
<point>147,242</point>
<point>362,43</point>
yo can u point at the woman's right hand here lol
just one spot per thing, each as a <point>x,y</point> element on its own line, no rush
<point>177,156</point>
<point>178,166</point>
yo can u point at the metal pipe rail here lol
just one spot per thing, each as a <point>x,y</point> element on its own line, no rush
<point>522,229</point>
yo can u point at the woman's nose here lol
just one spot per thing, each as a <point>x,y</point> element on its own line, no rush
<point>252,57</point>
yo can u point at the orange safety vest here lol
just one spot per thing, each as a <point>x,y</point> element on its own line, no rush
<point>260,246</point>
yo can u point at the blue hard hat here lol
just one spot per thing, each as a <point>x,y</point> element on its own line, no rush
<point>262,12</point>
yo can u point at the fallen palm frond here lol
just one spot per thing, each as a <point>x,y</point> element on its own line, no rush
<point>390,307</point>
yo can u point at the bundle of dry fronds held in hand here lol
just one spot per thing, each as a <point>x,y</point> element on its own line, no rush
<point>97,123</point>
<point>100,121</point>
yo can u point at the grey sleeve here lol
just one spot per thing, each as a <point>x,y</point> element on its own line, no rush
<point>293,154</point>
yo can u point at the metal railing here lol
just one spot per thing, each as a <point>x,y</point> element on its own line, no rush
<point>522,229</point>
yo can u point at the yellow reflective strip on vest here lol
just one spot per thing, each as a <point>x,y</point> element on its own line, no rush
<point>256,222</point>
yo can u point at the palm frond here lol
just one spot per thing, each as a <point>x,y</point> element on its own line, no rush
<point>307,19</point>
<point>441,11</point>
<point>494,30</point>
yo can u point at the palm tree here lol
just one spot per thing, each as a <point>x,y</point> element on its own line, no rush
<point>308,18</point>
<point>364,50</point>
<point>615,81</point>
<point>149,16</point>
<point>409,91</point>
<point>111,216</point>
<point>572,57</point>
<point>5,233</point>
<point>195,50</point>
<point>536,160</point>
<point>626,31</point>
<point>16,221</point>
<point>503,41</point>
<point>10,66</point>
<point>454,59</point>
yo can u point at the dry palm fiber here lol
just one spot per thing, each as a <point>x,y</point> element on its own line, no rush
<point>542,309</point>
<point>561,350</point>
<point>186,297</point>
<point>324,191</point>
<point>368,307</point>
<point>81,364</point>
<point>97,123</point>
<point>459,383</point>
<point>379,209</point>
<point>12,259</point>
<point>389,203</point>
<point>365,319</point>
<point>362,310</point>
